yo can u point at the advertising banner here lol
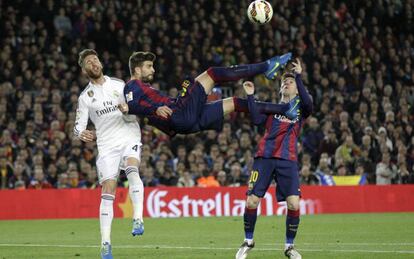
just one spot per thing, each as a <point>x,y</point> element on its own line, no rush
<point>203,202</point>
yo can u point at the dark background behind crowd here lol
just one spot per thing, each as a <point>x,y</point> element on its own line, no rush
<point>358,65</point>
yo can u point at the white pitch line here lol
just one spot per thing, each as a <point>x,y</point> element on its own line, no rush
<point>210,248</point>
<point>346,244</point>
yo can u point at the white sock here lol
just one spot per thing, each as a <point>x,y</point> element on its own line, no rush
<point>136,191</point>
<point>249,241</point>
<point>106,214</point>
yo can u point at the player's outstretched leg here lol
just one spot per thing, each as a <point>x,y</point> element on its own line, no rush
<point>269,68</point>
<point>136,194</point>
<point>249,218</point>
<point>292,224</point>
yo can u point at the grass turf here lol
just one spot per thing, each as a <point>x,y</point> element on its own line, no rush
<point>320,236</point>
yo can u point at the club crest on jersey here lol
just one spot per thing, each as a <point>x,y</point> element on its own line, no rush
<point>90,93</point>
<point>129,97</point>
<point>116,94</point>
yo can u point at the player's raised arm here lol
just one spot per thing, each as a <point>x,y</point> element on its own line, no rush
<point>306,100</point>
<point>81,122</point>
<point>257,118</point>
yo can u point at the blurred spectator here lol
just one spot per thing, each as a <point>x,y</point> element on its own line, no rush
<point>345,154</point>
<point>185,180</point>
<point>39,180</point>
<point>312,137</point>
<point>385,170</point>
<point>6,172</point>
<point>307,177</point>
<point>207,180</point>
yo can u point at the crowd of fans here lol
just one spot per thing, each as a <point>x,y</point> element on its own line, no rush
<point>358,66</point>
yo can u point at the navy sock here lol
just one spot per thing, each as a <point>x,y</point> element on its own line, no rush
<point>234,73</point>
<point>241,105</point>
<point>250,216</point>
<point>292,224</point>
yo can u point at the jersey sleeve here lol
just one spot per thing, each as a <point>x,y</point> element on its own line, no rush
<point>256,116</point>
<point>272,108</point>
<point>138,102</point>
<point>306,99</point>
<point>82,116</point>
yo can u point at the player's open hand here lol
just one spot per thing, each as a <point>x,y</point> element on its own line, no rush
<point>248,87</point>
<point>297,66</point>
<point>123,107</point>
<point>164,111</point>
<point>87,136</point>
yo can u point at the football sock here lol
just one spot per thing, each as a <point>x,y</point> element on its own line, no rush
<point>106,214</point>
<point>292,224</point>
<point>136,191</point>
<point>241,105</point>
<point>250,216</point>
<point>234,73</point>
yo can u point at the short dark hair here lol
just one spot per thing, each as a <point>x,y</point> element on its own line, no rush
<point>287,74</point>
<point>287,71</point>
<point>137,58</point>
<point>84,53</point>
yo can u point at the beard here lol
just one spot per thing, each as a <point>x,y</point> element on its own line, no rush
<point>92,74</point>
<point>147,78</point>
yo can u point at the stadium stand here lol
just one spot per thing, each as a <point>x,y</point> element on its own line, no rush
<point>359,69</point>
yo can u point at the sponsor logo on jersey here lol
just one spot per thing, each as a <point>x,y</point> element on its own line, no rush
<point>109,107</point>
<point>90,93</point>
<point>129,96</point>
<point>285,119</point>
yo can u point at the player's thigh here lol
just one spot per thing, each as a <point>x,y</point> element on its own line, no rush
<point>130,152</point>
<point>287,179</point>
<point>205,81</point>
<point>261,176</point>
<point>189,108</point>
<point>108,165</point>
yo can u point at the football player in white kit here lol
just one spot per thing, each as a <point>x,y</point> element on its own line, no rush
<point>118,139</point>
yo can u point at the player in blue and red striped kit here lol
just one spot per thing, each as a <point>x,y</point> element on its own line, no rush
<point>189,112</point>
<point>276,158</point>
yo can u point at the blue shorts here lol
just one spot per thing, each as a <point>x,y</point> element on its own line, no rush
<point>284,172</point>
<point>192,114</point>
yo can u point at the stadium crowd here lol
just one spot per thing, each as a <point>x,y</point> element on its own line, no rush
<point>358,59</point>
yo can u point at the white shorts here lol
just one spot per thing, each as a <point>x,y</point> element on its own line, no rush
<point>109,164</point>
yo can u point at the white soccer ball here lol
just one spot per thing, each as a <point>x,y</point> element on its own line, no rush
<point>260,12</point>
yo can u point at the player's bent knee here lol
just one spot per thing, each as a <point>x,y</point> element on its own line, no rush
<point>109,186</point>
<point>252,201</point>
<point>293,202</point>
<point>206,81</point>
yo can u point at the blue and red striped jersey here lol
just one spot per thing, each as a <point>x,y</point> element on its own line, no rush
<point>143,99</point>
<point>282,130</point>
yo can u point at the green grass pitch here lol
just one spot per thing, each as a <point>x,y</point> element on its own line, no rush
<point>376,236</point>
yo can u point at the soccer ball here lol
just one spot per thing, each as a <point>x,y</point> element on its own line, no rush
<point>260,12</point>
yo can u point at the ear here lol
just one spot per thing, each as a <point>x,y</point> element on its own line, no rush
<point>137,71</point>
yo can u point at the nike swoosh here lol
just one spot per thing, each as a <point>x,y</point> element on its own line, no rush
<point>296,104</point>
<point>274,68</point>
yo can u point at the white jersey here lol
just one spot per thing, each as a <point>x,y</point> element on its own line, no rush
<point>100,104</point>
